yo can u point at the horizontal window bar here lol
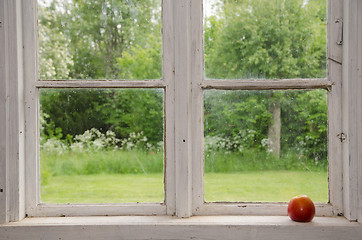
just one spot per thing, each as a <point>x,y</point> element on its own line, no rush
<point>255,209</point>
<point>266,84</point>
<point>100,84</point>
<point>71,210</point>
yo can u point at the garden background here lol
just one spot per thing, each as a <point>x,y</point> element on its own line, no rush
<point>106,145</point>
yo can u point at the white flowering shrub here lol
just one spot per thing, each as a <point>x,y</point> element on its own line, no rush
<point>54,145</point>
<point>94,140</point>
<point>243,140</point>
<point>135,141</point>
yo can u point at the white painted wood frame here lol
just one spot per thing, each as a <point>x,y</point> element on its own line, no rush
<point>183,82</point>
<point>3,117</point>
<point>334,70</point>
<point>359,115</point>
<point>12,113</point>
<point>332,84</point>
<point>34,207</point>
<point>352,109</point>
<point>166,228</point>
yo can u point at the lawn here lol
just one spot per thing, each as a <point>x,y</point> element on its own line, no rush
<point>269,186</point>
<point>266,186</point>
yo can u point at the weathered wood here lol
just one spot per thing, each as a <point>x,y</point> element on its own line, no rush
<point>3,116</point>
<point>359,114</point>
<point>183,70</point>
<point>71,210</point>
<point>335,163</point>
<point>100,84</point>
<point>14,112</point>
<point>183,125</point>
<point>335,30</point>
<point>197,118</point>
<point>266,84</point>
<point>168,64</point>
<point>216,227</point>
<point>350,121</point>
<point>252,209</point>
<point>31,95</point>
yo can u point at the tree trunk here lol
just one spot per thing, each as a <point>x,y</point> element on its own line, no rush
<point>274,132</point>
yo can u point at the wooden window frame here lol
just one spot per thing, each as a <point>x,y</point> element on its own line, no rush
<point>183,82</point>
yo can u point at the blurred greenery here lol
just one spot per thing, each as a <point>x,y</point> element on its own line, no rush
<point>270,186</point>
<point>104,188</point>
<point>101,162</point>
<point>121,39</point>
<point>239,121</point>
<point>266,39</point>
<point>265,186</point>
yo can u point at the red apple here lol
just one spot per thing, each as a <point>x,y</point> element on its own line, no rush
<point>301,209</point>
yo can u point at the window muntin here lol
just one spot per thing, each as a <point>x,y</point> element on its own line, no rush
<point>265,146</point>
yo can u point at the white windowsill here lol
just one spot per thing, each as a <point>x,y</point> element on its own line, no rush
<point>166,227</point>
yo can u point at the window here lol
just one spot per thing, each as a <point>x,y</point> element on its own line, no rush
<point>101,144</point>
<point>263,130</point>
<point>186,94</point>
<point>184,86</point>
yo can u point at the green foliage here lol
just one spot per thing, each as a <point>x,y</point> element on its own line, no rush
<point>101,162</point>
<point>266,39</point>
<point>245,39</point>
<point>239,115</point>
<point>55,58</point>
<point>94,153</point>
<point>238,121</point>
<point>123,111</point>
<point>74,111</point>
<point>305,124</point>
<point>251,160</point>
<point>134,110</point>
<point>85,39</point>
<point>142,62</point>
<point>48,130</point>
<point>101,40</point>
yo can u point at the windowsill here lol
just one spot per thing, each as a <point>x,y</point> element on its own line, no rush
<point>166,227</point>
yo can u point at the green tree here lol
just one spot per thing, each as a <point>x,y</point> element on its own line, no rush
<point>134,110</point>
<point>102,31</point>
<point>268,39</point>
<point>106,39</point>
<point>55,59</point>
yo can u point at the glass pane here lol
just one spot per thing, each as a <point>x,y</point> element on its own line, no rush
<point>265,146</point>
<point>101,146</point>
<point>106,39</point>
<point>265,39</point>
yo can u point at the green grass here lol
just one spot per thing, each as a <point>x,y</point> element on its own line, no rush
<point>268,186</point>
<point>103,188</point>
<point>110,162</point>
<point>257,160</point>
<point>136,176</point>
<point>136,161</point>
